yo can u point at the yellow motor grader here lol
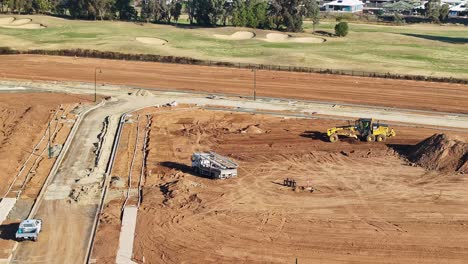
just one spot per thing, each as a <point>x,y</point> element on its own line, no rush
<point>364,129</point>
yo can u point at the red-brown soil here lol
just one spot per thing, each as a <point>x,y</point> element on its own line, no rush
<point>333,88</point>
<point>442,152</point>
<point>369,204</point>
<point>23,121</point>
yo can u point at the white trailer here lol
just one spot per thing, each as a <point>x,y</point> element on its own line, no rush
<point>213,165</point>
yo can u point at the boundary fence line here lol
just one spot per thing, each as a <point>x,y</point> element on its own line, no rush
<point>191,61</point>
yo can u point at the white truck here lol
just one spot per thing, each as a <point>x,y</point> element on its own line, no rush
<point>29,229</point>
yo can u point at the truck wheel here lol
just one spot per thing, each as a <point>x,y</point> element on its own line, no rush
<point>370,138</point>
<point>381,138</point>
<point>334,138</point>
<point>34,239</point>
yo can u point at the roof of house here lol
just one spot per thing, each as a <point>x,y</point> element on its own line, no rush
<point>460,8</point>
<point>345,3</point>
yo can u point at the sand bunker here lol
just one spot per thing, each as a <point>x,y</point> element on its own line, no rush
<point>152,41</point>
<point>279,37</point>
<point>6,20</point>
<point>239,35</point>
<point>18,22</point>
<point>24,23</point>
<point>443,153</point>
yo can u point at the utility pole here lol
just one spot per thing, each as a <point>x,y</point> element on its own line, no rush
<point>95,82</point>
<point>49,144</point>
<point>255,84</point>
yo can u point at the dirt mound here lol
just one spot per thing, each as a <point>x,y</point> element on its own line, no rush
<point>252,129</point>
<point>142,92</point>
<point>443,153</point>
<point>85,194</point>
<point>179,194</point>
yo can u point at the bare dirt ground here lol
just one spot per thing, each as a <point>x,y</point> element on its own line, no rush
<point>370,91</point>
<point>369,205</point>
<point>23,122</point>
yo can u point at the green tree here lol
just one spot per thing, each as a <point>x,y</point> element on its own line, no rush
<point>102,8</point>
<point>341,29</point>
<point>201,12</point>
<point>312,10</point>
<point>289,13</point>
<point>216,10</point>
<point>125,10</point>
<point>41,6</point>
<point>433,10</point>
<point>443,12</point>
<point>239,18</point>
<point>176,10</point>
<point>150,10</point>
<point>260,10</point>
<point>190,9</point>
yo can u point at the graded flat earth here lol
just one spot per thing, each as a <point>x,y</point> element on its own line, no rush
<point>332,88</point>
<point>369,205</point>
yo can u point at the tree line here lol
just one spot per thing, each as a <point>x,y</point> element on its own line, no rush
<point>266,14</point>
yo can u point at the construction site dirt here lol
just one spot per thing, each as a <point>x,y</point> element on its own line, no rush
<point>24,141</point>
<point>331,88</point>
<point>369,203</point>
<point>23,122</point>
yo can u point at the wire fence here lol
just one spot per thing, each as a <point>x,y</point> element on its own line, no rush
<point>192,61</point>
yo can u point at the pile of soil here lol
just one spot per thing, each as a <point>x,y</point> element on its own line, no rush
<point>142,92</point>
<point>442,152</point>
<point>252,129</point>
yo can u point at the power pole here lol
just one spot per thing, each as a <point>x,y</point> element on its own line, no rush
<point>255,84</point>
<point>95,82</point>
<point>49,144</point>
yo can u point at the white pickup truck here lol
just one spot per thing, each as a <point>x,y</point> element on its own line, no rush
<point>29,229</point>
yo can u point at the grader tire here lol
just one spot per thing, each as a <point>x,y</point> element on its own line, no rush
<point>370,138</point>
<point>381,138</point>
<point>334,138</point>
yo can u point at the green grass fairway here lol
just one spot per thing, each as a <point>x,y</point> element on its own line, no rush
<point>413,49</point>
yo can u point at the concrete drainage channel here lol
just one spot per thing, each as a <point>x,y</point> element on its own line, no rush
<point>7,204</point>
<point>109,167</point>
<point>129,211</point>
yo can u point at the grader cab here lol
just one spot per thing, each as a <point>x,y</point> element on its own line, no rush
<point>364,128</point>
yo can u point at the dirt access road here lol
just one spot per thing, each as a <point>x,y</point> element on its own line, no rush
<point>71,200</point>
<point>331,88</point>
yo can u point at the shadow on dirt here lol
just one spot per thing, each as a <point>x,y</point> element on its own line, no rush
<point>176,165</point>
<point>401,149</point>
<point>324,137</point>
<point>315,135</point>
<point>8,231</point>
<point>182,167</point>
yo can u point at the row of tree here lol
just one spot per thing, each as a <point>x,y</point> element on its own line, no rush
<point>287,14</point>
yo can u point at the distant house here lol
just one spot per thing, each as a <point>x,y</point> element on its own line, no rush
<point>460,10</point>
<point>349,6</point>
